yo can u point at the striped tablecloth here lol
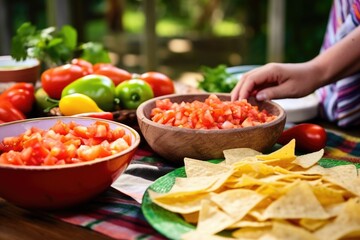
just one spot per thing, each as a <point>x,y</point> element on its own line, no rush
<point>117,212</point>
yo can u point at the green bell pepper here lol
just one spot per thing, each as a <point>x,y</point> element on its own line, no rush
<point>132,93</point>
<point>43,102</point>
<point>100,88</point>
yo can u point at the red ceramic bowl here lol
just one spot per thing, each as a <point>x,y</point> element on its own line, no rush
<point>55,187</point>
<point>19,71</point>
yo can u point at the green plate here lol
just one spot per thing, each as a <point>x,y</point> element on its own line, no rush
<point>172,225</point>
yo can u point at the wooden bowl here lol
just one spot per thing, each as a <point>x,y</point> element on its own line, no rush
<point>19,71</point>
<point>174,143</point>
<point>61,186</point>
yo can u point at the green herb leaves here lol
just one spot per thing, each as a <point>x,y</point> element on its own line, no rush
<point>217,79</point>
<point>54,47</point>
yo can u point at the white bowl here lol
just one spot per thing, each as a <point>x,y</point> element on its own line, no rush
<point>18,71</point>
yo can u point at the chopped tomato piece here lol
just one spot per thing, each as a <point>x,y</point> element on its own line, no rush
<point>63,144</point>
<point>209,114</point>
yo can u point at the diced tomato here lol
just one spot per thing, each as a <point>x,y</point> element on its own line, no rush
<point>60,127</point>
<point>92,141</point>
<point>210,114</point>
<point>168,116</point>
<point>101,131</point>
<point>227,125</point>
<point>88,152</point>
<point>119,145</point>
<point>11,143</point>
<point>127,139</point>
<point>81,131</point>
<point>50,160</point>
<point>164,104</point>
<point>207,119</point>
<point>63,144</point>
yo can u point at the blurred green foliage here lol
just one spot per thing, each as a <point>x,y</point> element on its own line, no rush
<point>305,22</point>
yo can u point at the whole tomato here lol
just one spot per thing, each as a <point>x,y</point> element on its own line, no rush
<point>117,75</point>
<point>9,113</point>
<point>159,82</point>
<point>21,85</point>
<point>20,95</point>
<point>21,99</point>
<point>309,137</point>
<point>54,80</point>
<point>87,66</point>
<point>97,66</point>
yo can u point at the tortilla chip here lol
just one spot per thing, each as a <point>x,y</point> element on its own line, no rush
<point>199,168</point>
<point>347,223</point>
<point>191,217</point>
<point>250,233</point>
<point>237,202</point>
<point>310,159</point>
<point>212,219</point>
<point>194,184</point>
<point>196,235</point>
<point>284,231</point>
<point>287,152</point>
<point>179,202</point>
<point>344,176</point>
<point>299,202</point>
<point>327,195</point>
<point>238,154</point>
<point>313,224</point>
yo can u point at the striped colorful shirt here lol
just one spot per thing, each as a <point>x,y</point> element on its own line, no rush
<point>340,101</point>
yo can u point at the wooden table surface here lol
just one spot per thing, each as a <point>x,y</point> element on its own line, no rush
<point>20,224</point>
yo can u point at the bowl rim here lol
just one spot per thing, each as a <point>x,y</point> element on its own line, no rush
<point>73,165</point>
<point>142,117</point>
<point>23,64</point>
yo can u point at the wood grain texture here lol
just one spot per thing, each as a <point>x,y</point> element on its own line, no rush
<point>19,224</point>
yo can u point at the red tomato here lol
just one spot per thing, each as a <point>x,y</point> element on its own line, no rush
<point>21,99</point>
<point>309,137</point>
<point>117,75</point>
<point>98,66</point>
<point>87,66</point>
<point>21,85</point>
<point>54,80</point>
<point>159,82</point>
<point>9,113</point>
<point>20,95</point>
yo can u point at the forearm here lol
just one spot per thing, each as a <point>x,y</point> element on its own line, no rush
<point>340,60</point>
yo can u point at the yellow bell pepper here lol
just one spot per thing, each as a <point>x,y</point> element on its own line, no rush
<point>77,103</point>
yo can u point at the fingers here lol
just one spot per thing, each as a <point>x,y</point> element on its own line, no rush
<point>269,93</point>
<point>276,80</point>
<point>236,90</point>
<point>257,80</point>
<point>243,90</point>
<point>267,82</point>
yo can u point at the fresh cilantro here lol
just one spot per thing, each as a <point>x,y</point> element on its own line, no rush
<point>217,79</point>
<point>94,52</point>
<point>54,47</point>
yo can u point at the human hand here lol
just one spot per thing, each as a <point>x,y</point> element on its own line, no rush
<point>277,80</point>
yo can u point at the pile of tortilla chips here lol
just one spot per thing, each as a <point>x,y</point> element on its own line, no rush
<point>279,195</point>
